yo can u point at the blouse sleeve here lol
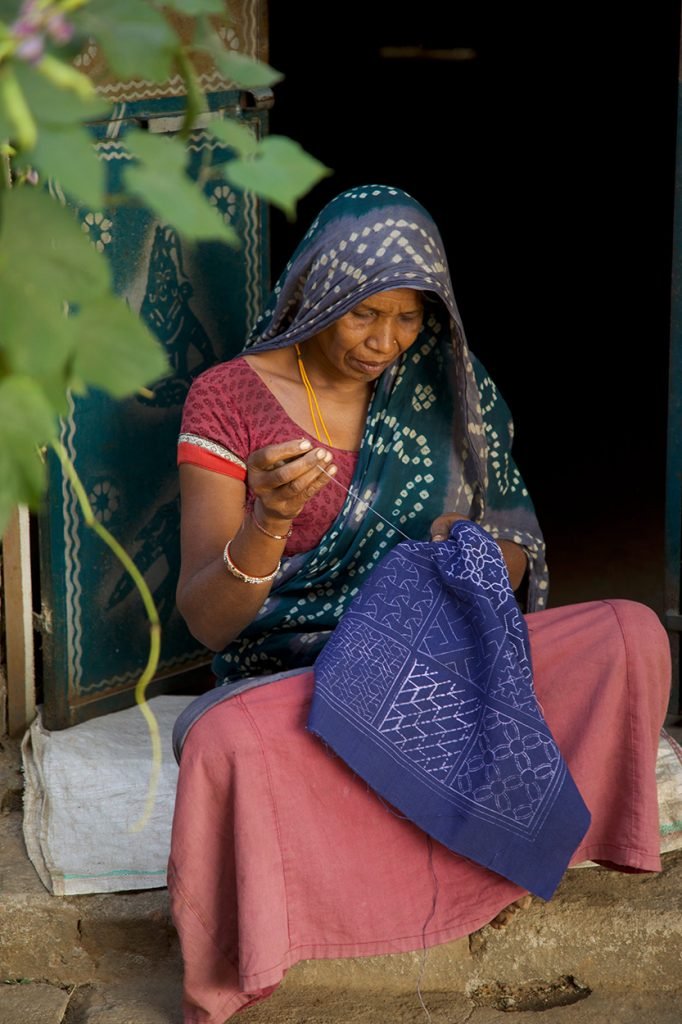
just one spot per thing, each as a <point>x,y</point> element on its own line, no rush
<point>211,433</point>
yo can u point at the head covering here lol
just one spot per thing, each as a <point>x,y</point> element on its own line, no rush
<point>367,240</point>
<point>425,689</point>
<point>438,433</point>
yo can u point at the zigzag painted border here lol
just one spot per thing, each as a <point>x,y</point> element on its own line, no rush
<point>140,89</point>
<point>72,565</point>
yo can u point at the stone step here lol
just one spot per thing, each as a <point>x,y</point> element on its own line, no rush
<point>139,1000</point>
<point>608,943</point>
<point>599,928</point>
<point>76,939</point>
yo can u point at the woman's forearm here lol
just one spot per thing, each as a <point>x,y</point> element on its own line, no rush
<point>516,561</point>
<point>217,605</point>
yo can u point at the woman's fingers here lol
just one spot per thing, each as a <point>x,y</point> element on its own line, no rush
<point>440,527</point>
<point>272,455</point>
<point>287,475</point>
<point>290,473</point>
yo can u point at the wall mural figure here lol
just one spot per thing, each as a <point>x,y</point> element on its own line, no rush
<point>157,539</point>
<point>166,309</point>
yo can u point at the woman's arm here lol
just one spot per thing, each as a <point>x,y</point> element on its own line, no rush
<point>215,604</point>
<point>514,556</point>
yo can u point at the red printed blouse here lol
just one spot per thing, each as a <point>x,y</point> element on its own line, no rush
<point>228,413</point>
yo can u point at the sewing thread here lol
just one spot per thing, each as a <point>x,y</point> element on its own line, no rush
<point>366,504</point>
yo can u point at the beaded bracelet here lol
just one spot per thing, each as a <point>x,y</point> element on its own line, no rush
<point>244,577</point>
<point>275,536</point>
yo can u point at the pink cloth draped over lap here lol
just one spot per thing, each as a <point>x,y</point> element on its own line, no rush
<point>280,854</point>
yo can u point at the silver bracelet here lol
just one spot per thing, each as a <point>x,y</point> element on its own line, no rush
<point>244,577</point>
<point>275,536</point>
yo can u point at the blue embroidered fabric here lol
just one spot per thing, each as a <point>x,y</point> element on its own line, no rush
<point>425,689</point>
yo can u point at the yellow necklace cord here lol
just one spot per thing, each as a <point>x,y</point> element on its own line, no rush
<point>312,400</point>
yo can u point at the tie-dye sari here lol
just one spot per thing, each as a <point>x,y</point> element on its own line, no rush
<point>437,438</point>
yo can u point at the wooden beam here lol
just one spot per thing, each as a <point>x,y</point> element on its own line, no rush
<point>18,617</point>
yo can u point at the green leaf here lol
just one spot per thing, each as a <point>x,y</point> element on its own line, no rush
<point>236,136</point>
<point>27,422</point>
<point>46,264</point>
<point>163,185</point>
<point>244,71</point>
<point>44,254</point>
<point>68,155</point>
<point>114,349</point>
<point>135,38</point>
<point>281,171</point>
<point>52,106</point>
<point>36,336</point>
<point>196,7</point>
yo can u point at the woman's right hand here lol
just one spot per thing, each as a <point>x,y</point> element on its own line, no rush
<point>283,477</point>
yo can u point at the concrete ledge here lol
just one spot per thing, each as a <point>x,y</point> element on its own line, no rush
<point>145,1001</point>
<point>32,1004</point>
<point>68,940</point>
<point>602,927</point>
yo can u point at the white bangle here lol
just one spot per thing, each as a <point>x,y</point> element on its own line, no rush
<point>244,577</point>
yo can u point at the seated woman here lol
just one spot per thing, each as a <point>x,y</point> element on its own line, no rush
<point>355,418</point>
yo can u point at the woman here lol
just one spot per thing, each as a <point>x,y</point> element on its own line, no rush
<point>355,418</point>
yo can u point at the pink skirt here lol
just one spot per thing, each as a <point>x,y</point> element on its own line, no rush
<point>279,853</point>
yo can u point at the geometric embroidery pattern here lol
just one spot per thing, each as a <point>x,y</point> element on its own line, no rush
<point>427,684</point>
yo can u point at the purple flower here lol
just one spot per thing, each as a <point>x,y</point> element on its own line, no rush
<point>31,49</point>
<point>33,26</point>
<point>59,28</point>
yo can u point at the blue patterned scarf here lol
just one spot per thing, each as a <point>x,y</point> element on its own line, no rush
<point>425,690</point>
<point>438,434</point>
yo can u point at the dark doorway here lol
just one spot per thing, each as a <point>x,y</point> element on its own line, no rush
<point>545,151</point>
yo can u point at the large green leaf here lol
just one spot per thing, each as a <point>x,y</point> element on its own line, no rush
<point>280,171</point>
<point>244,71</point>
<point>163,185</point>
<point>27,422</point>
<point>68,155</point>
<point>237,136</point>
<point>44,253</point>
<point>53,106</point>
<point>36,336</point>
<point>114,349</point>
<point>135,38</point>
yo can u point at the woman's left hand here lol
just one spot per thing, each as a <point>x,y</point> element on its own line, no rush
<point>514,556</point>
<point>440,527</point>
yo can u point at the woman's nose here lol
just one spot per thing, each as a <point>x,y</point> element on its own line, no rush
<point>381,337</point>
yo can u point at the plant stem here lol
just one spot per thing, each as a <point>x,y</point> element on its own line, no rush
<point>154,625</point>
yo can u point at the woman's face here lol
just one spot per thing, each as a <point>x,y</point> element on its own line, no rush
<point>366,340</point>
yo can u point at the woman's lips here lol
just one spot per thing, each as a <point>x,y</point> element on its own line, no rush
<point>368,367</point>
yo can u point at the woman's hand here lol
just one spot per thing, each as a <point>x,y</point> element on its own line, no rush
<point>514,556</point>
<point>440,527</point>
<point>283,477</point>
